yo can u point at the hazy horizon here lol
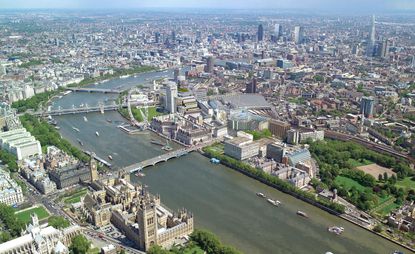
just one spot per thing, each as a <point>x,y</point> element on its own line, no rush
<point>361,6</point>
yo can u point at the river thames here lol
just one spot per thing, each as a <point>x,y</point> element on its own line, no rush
<point>221,199</point>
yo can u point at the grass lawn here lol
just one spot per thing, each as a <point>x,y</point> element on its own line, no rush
<point>219,148</point>
<point>152,112</point>
<point>406,183</point>
<point>24,216</point>
<point>194,250</point>
<point>349,183</point>
<point>358,163</point>
<point>75,198</point>
<point>95,250</point>
<point>387,209</point>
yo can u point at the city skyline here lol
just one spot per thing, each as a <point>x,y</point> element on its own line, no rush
<point>366,6</point>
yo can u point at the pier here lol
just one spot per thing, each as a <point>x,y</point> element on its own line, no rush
<point>106,163</point>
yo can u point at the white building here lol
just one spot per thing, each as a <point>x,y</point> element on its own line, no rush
<point>171,94</point>
<point>10,192</point>
<point>20,143</point>
<point>241,148</point>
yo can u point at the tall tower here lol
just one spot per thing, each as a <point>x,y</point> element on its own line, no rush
<point>147,221</point>
<point>298,35</point>
<point>171,94</point>
<point>366,106</point>
<point>277,31</point>
<point>372,38</point>
<point>210,62</point>
<point>93,169</point>
<point>260,33</point>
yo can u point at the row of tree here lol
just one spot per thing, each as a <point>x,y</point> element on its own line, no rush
<point>48,136</point>
<point>272,180</point>
<point>203,239</point>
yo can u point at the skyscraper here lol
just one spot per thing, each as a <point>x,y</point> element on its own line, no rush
<point>260,33</point>
<point>277,31</point>
<point>298,35</point>
<point>383,49</point>
<point>171,94</point>
<point>251,86</point>
<point>210,62</point>
<point>366,106</point>
<point>372,38</point>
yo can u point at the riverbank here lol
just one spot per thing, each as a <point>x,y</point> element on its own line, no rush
<point>244,170</point>
<point>35,101</point>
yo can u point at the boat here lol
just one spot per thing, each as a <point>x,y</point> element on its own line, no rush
<point>336,230</point>
<point>124,76</point>
<point>397,252</point>
<point>75,129</point>
<point>273,202</point>
<point>80,142</point>
<point>57,127</point>
<point>260,194</point>
<point>67,92</point>
<point>214,161</point>
<point>85,119</point>
<point>156,142</point>
<point>140,174</point>
<point>97,133</point>
<point>110,157</point>
<point>301,213</point>
<point>109,120</point>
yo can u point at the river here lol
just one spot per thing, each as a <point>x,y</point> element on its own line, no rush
<point>222,200</point>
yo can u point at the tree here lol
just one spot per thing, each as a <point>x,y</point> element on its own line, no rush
<point>380,178</point>
<point>155,249</point>
<point>58,222</point>
<point>377,228</point>
<point>79,245</point>
<point>385,176</point>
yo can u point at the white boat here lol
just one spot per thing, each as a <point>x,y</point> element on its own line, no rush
<point>303,214</point>
<point>110,157</point>
<point>260,194</point>
<point>336,230</point>
<point>97,133</point>
<point>75,129</point>
<point>273,202</point>
<point>85,119</point>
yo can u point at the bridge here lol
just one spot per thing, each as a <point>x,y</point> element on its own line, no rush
<point>94,90</point>
<point>162,158</point>
<point>79,110</point>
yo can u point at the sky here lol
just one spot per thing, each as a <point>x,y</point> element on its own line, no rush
<point>326,5</point>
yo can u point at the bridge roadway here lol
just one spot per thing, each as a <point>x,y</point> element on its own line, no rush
<point>70,111</point>
<point>94,90</point>
<point>162,158</point>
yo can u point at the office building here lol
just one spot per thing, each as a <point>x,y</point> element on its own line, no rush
<point>251,87</point>
<point>260,32</point>
<point>298,35</point>
<point>372,39</point>
<point>383,49</point>
<point>279,129</point>
<point>20,143</point>
<point>10,192</point>
<point>70,175</point>
<point>284,64</point>
<point>210,62</point>
<point>171,94</point>
<point>277,31</point>
<point>366,106</point>
<point>241,148</point>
